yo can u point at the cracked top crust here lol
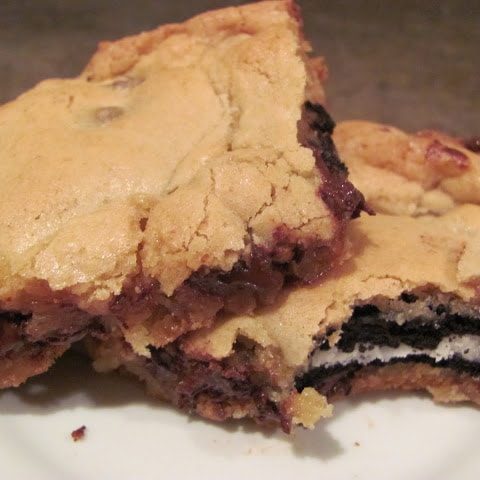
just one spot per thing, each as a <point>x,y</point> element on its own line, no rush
<point>408,174</point>
<point>390,255</point>
<point>176,149</point>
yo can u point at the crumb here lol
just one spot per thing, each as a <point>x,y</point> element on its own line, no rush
<point>79,433</point>
<point>357,444</point>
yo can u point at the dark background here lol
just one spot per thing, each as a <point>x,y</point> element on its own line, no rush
<point>415,64</point>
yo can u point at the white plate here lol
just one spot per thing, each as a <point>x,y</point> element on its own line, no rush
<point>132,437</point>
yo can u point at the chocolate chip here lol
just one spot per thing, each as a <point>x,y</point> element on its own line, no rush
<point>408,297</point>
<point>324,345</point>
<point>107,114</point>
<point>143,224</point>
<point>15,317</point>
<point>441,309</point>
<point>320,118</point>
<point>126,82</point>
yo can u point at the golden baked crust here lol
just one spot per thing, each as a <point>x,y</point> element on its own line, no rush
<point>408,174</point>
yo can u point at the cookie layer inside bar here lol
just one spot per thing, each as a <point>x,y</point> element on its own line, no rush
<point>439,332</point>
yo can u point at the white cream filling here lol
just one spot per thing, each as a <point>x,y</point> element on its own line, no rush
<point>466,347</point>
